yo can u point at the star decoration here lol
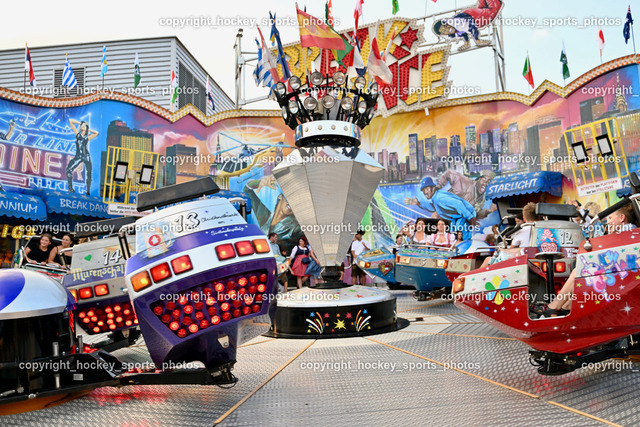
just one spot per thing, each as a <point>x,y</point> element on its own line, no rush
<point>578,285</point>
<point>568,339</point>
<point>597,301</point>
<point>503,308</point>
<point>326,315</point>
<point>517,271</point>
<point>359,296</point>
<point>312,314</point>
<point>517,310</point>
<point>340,324</point>
<point>622,286</point>
<point>338,315</point>
<point>408,37</point>
<point>348,316</point>
<point>365,311</point>
<point>581,305</point>
<point>627,308</point>
<point>526,323</point>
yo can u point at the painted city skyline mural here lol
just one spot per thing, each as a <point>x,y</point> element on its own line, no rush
<point>458,150</point>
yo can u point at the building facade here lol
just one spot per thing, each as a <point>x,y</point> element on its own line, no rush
<point>157,57</point>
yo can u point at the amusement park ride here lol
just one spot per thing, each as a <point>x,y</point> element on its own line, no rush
<point>187,276</point>
<point>323,193</point>
<point>600,324</point>
<point>187,305</point>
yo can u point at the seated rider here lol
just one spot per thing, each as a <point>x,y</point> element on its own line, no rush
<point>623,219</point>
<point>521,238</point>
<point>441,238</point>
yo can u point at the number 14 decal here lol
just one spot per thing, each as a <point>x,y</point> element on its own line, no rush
<point>112,257</point>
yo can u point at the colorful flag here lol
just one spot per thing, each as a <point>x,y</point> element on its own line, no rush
<point>136,73</point>
<point>386,51</point>
<point>338,54</point>
<point>103,65</point>
<point>375,64</point>
<point>565,63</point>
<point>29,67</point>
<point>267,60</point>
<point>357,13</point>
<point>68,78</point>
<point>395,7</point>
<point>527,73</point>
<point>275,37</point>
<point>329,12</point>
<point>261,73</point>
<point>174,90</point>
<point>357,61</point>
<point>315,33</point>
<point>600,41</point>
<point>627,26</point>
<point>210,95</point>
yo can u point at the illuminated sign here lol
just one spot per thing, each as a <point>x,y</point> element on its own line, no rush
<point>38,151</point>
<point>419,76</point>
<point>16,232</point>
<point>510,186</point>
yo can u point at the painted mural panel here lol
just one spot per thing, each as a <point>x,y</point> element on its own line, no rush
<point>437,165</point>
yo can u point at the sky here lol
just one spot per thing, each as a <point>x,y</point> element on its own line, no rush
<point>538,28</point>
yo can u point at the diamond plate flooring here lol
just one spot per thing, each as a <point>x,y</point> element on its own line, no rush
<point>446,368</point>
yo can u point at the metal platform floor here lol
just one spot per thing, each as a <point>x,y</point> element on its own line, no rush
<point>446,368</point>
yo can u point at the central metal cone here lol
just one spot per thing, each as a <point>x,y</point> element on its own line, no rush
<point>329,190</point>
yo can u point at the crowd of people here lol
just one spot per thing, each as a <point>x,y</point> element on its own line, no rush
<point>303,264</point>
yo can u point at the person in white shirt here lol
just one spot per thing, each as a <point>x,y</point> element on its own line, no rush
<point>523,237</point>
<point>358,246</point>
<point>420,236</point>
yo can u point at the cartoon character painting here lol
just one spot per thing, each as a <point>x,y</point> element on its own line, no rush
<point>469,22</point>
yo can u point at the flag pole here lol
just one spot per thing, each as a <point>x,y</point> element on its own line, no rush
<point>304,53</point>
<point>24,80</point>
<point>633,39</point>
